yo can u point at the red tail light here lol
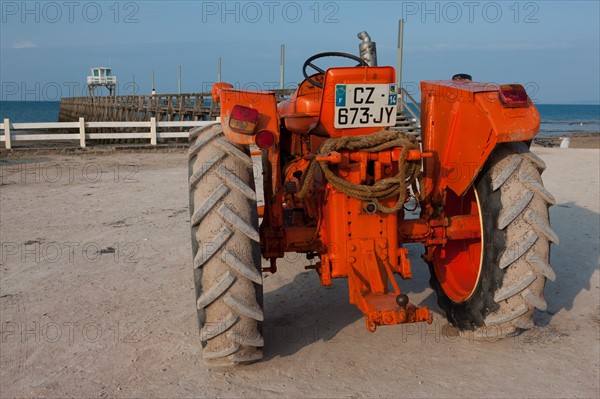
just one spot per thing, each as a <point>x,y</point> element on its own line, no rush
<point>243,119</point>
<point>264,139</point>
<point>513,96</point>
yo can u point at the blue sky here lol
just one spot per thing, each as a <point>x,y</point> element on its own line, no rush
<point>47,47</point>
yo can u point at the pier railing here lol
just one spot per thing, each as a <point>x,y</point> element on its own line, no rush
<point>163,107</point>
<point>156,130</point>
<point>409,106</point>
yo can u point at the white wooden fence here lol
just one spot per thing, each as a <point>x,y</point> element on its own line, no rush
<point>11,130</point>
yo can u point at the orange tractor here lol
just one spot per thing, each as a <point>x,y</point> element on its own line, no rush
<point>337,176</point>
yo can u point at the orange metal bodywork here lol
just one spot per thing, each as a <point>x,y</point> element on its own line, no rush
<point>461,124</point>
<point>265,102</point>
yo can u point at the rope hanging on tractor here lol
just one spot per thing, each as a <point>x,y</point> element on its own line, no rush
<point>408,171</point>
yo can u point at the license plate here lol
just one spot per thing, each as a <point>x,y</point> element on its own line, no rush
<point>365,105</point>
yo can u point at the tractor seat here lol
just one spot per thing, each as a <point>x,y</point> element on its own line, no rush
<point>301,112</point>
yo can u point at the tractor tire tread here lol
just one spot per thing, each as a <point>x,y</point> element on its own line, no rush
<point>226,248</point>
<point>234,181</point>
<point>209,296</point>
<point>515,211</point>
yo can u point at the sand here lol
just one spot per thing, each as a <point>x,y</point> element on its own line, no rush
<point>97,299</point>
<point>577,140</point>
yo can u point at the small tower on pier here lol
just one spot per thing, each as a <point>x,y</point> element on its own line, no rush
<point>101,77</point>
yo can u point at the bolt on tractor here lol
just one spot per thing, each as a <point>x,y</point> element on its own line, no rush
<point>337,176</point>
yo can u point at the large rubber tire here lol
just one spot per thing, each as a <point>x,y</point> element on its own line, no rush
<point>226,248</point>
<point>515,263</point>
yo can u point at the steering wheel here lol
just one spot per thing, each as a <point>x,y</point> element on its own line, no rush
<point>309,63</point>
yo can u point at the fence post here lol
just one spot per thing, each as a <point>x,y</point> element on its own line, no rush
<point>82,132</point>
<point>7,133</point>
<point>153,131</point>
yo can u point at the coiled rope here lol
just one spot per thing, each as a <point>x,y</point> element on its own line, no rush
<point>408,171</point>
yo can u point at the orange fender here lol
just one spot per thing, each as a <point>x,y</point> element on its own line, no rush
<point>461,123</point>
<point>264,102</point>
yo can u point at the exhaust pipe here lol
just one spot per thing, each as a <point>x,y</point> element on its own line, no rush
<point>367,49</point>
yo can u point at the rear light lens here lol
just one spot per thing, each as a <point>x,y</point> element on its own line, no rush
<point>243,119</point>
<point>513,96</point>
<point>264,139</point>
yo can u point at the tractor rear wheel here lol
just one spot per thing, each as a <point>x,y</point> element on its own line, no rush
<point>504,273</point>
<point>226,248</point>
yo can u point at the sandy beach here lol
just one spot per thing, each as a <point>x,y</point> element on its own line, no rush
<point>576,140</point>
<point>97,298</point>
